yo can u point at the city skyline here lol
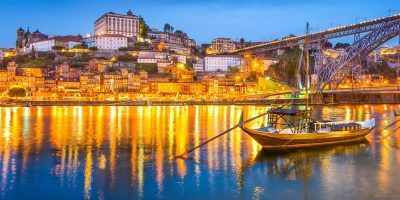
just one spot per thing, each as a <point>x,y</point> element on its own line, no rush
<point>224,23</point>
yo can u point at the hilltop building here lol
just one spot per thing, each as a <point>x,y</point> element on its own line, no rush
<point>25,39</point>
<point>222,45</point>
<point>112,23</point>
<point>68,42</point>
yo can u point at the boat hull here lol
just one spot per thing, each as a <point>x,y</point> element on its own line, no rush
<point>276,141</point>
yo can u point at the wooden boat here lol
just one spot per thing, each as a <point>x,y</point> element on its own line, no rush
<point>290,129</point>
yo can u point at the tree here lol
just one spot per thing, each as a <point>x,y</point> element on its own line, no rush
<point>233,70</point>
<point>58,48</point>
<point>126,58</point>
<point>17,92</point>
<point>172,29</point>
<point>85,57</point>
<point>167,27</point>
<point>93,48</point>
<point>83,45</point>
<point>242,42</point>
<point>341,45</point>
<point>150,68</point>
<point>123,49</point>
<point>143,28</point>
<point>33,53</point>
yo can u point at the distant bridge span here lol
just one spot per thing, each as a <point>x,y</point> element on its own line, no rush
<point>331,33</point>
<point>377,32</point>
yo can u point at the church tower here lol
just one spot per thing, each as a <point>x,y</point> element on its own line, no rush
<point>20,38</point>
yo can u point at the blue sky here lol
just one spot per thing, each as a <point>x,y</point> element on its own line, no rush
<point>255,20</point>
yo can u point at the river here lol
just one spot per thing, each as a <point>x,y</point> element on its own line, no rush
<point>122,152</point>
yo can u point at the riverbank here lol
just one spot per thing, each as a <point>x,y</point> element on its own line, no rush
<point>378,97</point>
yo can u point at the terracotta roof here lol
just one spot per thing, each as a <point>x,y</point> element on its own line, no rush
<point>68,38</point>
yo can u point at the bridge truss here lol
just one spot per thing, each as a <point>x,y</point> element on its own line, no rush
<point>377,32</point>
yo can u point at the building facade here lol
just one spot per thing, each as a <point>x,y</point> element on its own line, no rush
<point>110,41</point>
<point>68,42</point>
<point>221,62</point>
<point>112,23</point>
<point>223,45</point>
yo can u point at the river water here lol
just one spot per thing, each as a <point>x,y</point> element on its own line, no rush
<point>128,153</point>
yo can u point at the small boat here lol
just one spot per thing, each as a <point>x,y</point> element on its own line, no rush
<point>294,128</point>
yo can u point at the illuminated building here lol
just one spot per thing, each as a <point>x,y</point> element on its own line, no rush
<point>177,38</point>
<point>222,45</point>
<point>110,41</point>
<point>68,84</point>
<point>176,87</point>
<point>148,56</point>
<point>68,42</point>
<point>114,82</point>
<point>221,62</point>
<point>112,23</point>
<point>24,39</point>
<point>90,82</point>
<point>99,65</point>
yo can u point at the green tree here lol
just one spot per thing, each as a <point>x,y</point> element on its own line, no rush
<point>242,42</point>
<point>167,28</point>
<point>285,70</point>
<point>150,68</point>
<point>17,92</point>
<point>341,45</point>
<point>58,48</point>
<point>143,28</point>
<point>83,45</point>
<point>126,58</point>
<point>123,49</point>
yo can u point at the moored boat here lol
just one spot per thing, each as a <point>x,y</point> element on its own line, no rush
<point>291,128</point>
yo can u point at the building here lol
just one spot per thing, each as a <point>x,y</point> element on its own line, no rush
<point>68,42</point>
<point>177,38</point>
<point>112,23</point>
<point>110,41</point>
<point>221,62</point>
<point>148,56</point>
<point>24,39</point>
<point>222,45</point>
<point>198,66</point>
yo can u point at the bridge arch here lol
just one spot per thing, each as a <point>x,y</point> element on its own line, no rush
<point>364,45</point>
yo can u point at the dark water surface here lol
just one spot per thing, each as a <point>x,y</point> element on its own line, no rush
<point>128,153</point>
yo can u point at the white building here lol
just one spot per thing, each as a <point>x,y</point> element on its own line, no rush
<point>67,42</point>
<point>145,56</point>
<point>110,41</point>
<point>112,23</point>
<point>221,62</point>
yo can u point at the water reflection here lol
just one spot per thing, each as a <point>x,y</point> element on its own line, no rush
<point>128,152</point>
